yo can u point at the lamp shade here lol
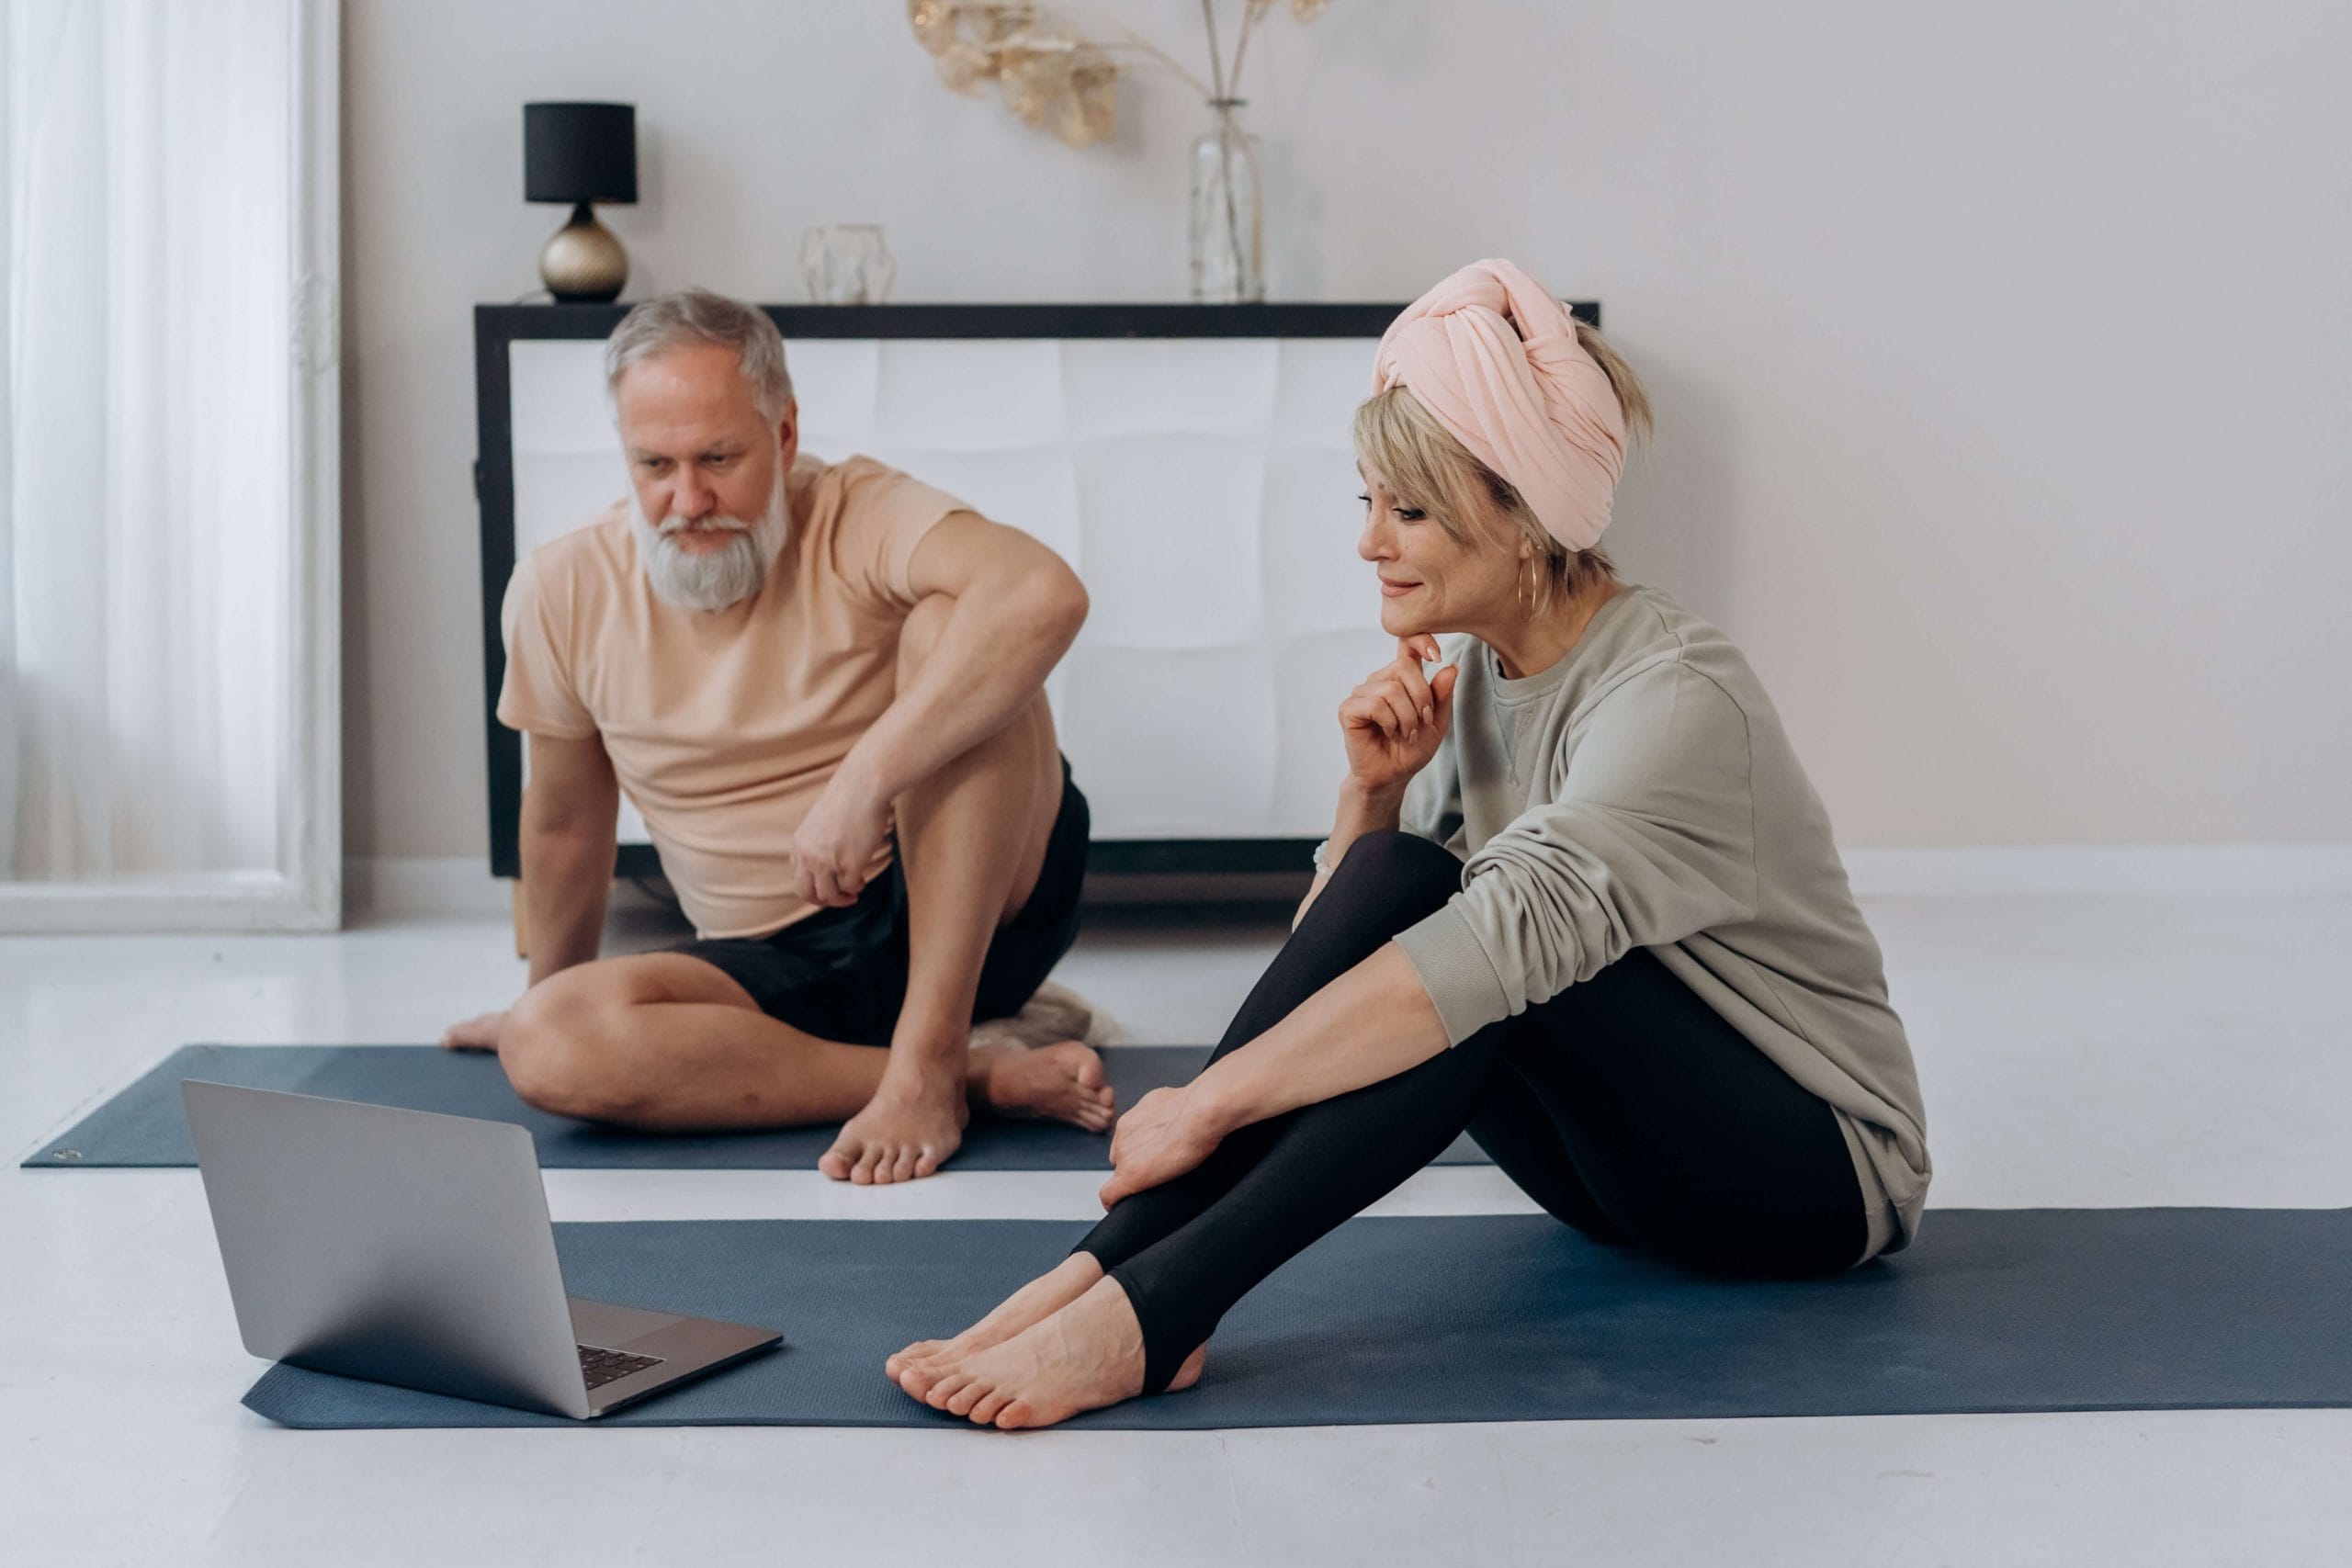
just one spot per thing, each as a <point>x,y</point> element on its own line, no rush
<point>580,152</point>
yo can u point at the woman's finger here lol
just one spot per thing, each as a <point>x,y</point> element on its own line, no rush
<point>1420,648</point>
<point>1368,713</point>
<point>1407,675</point>
<point>1441,689</point>
<point>1400,708</point>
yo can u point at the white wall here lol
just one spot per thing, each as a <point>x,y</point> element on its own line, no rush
<point>2002,353</point>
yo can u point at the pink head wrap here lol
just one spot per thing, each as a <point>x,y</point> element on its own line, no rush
<point>1495,359</point>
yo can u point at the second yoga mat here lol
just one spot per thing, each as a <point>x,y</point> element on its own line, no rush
<point>1504,1318</point>
<point>143,1124</point>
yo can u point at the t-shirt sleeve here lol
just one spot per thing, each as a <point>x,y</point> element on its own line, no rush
<point>885,515</point>
<point>1652,839</point>
<point>537,695</point>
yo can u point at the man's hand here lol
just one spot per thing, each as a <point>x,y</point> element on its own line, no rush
<point>1159,1140</point>
<point>837,841</point>
<point>474,1033</point>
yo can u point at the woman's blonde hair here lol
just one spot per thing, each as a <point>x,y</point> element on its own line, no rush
<point>1424,465</point>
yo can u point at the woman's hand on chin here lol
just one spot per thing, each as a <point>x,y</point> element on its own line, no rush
<point>1394,721</point>
<point>1161,1138</point>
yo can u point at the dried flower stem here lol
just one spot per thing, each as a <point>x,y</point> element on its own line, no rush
<point>1216,68</point>
<point>1250,15</point>
<point>1160,55</point>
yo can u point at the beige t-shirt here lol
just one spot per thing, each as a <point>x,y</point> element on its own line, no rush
<point>724,725</point>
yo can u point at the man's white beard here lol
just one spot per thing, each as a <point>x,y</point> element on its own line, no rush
<point>711,579</point>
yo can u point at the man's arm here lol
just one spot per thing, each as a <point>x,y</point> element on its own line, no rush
<point>1018,608</point>
<point>569,827</point>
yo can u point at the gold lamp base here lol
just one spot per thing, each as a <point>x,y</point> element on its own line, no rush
<point>582,262</point>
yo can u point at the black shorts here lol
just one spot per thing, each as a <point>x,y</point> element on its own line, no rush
<point>841,973</point>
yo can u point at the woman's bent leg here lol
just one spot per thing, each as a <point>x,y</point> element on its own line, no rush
<point>1625,1105</point>
<point>1385,883</point>
<point>1671,1130</point>
<point>1322,1164</point>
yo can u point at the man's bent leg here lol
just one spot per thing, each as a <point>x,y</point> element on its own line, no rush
<point>667,1043</point>
<point>972,841</point>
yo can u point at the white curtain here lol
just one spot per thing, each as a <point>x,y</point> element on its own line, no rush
<point>146,592</point>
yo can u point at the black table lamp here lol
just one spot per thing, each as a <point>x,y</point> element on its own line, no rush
<point>580,154</point>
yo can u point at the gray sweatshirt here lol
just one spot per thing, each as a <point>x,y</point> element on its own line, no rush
<point>1641,793</point>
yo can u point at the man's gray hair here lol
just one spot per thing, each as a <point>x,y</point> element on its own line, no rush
<point>696,316</point>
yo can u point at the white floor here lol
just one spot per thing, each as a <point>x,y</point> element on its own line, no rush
<point>2075,1051</point>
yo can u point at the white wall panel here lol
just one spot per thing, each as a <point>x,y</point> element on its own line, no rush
<point>1204,488</point>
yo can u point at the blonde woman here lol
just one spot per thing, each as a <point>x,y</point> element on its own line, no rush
<point>1580,899</point>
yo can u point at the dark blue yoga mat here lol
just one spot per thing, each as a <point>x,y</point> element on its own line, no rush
<point>1506,1318</point>
<point>143,1124</point>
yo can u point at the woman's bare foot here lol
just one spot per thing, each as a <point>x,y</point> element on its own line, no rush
<point>1086,1356</point>
<point>1063,1082</point>
<point>917,1367</point>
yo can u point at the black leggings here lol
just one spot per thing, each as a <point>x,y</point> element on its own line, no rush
<point>1624,1105</point>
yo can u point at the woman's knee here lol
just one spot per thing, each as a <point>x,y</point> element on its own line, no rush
<point>1396,870</point>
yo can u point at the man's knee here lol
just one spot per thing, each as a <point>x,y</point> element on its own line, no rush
<point>558,1050</point>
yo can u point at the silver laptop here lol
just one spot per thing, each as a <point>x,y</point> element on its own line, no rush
<point>409,1247</point>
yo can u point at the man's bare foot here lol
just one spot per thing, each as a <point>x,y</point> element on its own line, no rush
<point>917,1367</point>
<point>1063,1082</point>
<point>902,1134</point>
<point>1086,1356</point>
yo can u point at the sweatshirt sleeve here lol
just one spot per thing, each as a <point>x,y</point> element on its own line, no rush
<point>1651,840</point>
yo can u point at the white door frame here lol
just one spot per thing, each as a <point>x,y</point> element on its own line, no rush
<point>305,893</point>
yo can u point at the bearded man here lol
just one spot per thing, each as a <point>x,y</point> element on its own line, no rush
<point>821,684</point>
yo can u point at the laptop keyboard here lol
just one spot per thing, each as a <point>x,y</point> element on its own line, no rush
<point>600,1367</point>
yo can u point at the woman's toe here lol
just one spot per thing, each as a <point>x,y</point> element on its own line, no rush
<point>972,1392</point>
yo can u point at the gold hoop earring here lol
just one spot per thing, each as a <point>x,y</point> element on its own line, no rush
<point>1526,592</point>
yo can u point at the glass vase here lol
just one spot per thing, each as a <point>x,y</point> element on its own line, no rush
<point>846,264</point>
<point>1228,267</point>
